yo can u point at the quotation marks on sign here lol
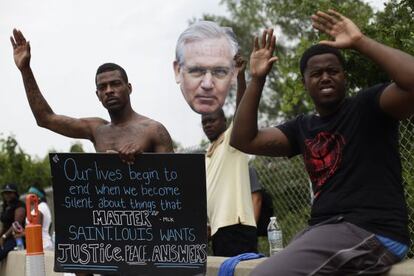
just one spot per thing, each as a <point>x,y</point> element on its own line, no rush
<point>55,158</point>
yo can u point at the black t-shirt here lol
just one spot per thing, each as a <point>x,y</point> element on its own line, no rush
<point>353,161</point>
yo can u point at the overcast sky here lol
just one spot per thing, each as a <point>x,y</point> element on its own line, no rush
<point>70,39</point>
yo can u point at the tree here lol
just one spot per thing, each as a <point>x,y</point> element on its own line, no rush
<point>76,147</point>
<point>18,167</point>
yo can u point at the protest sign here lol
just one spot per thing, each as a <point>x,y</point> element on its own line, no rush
<point>147,218</point>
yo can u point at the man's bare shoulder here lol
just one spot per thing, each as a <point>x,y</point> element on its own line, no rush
<point>149,123</point>
<point>95,121</point>
<point>85,128</point>
<point>158,133</point>
<point>156,128</point>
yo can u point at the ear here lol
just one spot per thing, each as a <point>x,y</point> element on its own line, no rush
<point>129,88</point>
<point>177,71</point>
<point>97,95</point>
<point>303,82</point>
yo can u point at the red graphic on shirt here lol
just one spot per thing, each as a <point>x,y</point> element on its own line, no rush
<point>323,155</point>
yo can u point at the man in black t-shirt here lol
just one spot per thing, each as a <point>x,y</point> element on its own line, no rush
<point>358,221</point>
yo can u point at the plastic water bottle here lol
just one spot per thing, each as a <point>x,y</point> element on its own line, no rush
<point>19,244</point>
<point>274,235</point>
<point>19,241</point>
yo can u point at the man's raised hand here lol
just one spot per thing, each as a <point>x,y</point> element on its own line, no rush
<point>21,49</point>
<point>344,32</point>
<point>261,59</point>
<point>240,62</point>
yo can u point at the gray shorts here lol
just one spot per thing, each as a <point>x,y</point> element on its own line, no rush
<point>330,249</point>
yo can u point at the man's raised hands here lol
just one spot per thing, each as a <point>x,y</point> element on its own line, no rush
<point>344,32</point>
<point>261,59</point>
<point>21,49</point>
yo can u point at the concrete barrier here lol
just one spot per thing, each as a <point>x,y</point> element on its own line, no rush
<point>14,265</point>
<point>405,268</point>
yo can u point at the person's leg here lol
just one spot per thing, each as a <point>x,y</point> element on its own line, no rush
<point>233,240</point>
<point>330,249</point>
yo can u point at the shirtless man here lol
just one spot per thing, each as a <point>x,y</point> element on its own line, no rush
<point>127,133</point>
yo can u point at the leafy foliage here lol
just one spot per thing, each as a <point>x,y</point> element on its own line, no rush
<point>76,147</point>
<point>18,167</point>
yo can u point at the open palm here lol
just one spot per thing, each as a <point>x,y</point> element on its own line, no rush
<point>344,32</point>
<point>262,58</point>
<point>21,49</point>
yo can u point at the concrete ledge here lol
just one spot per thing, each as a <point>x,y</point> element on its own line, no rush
<point>405,268</point>
<point>14,265</point>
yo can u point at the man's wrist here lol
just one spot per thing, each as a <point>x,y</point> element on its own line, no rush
<point>258,79</point>
<point>25,69</point>
<point>361,43</point>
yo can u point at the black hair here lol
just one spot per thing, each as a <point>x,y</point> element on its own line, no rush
<point>319,49</point>
<point>219,112</point>
<point>106,67</point>
<point>11,186</point>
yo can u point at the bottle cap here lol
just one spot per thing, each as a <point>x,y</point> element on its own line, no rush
<point>273,218</point>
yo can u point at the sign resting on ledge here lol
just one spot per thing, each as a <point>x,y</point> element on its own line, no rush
<point>147,218</point>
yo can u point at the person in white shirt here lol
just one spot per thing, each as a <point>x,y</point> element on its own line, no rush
<point>45,216</point>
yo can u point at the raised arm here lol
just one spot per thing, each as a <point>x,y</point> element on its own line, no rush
<point>241,78</point>
<point>398,98</point>
<point>245,134</point>
<point>43,113</point>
